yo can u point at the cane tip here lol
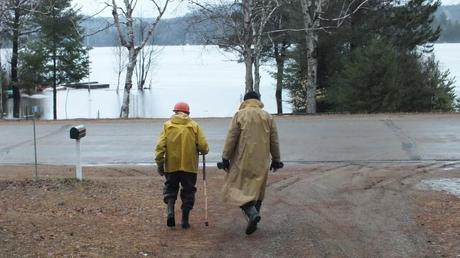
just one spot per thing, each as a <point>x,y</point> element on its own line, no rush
<point>206,224</point>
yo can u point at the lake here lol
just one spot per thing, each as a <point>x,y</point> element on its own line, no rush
<point>205,77</point>
<point>448,55</point>
<point>210,80</point>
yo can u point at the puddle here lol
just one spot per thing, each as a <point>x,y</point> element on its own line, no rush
<point>451,185</point>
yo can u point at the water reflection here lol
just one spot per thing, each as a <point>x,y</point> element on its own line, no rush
<point>150,103</point>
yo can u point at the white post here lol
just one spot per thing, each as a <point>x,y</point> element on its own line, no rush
<point>78,170</point>
<point>35,147</point>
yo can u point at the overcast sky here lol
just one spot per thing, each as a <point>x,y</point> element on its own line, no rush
<point>448,2</point>
<point>145,7</point>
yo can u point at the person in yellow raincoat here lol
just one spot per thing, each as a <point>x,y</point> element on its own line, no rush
<point>176,154</point>
<point>251,140</point>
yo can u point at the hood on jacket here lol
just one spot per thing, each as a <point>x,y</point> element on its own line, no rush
<point>180,118</point>
<point>251,103</point>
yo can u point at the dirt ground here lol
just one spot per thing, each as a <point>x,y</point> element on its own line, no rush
<point>313,210</point>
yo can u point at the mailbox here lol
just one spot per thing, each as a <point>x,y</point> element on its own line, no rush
<point>77,132</point>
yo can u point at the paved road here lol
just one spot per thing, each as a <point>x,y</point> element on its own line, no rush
<point>325,138</point>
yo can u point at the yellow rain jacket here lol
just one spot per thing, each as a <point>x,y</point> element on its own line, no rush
<point>180,143</point>
<point>251,139</point>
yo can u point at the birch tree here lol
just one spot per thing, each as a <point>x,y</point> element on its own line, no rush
<point>280,42</point>
<point>247,8</point>
<point>240,27</point>
<point>311,11</point>
<point>261,15</point>
<point>127,37</point>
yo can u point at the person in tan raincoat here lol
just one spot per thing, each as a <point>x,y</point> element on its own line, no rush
<point>176,155</point>
<point>251,141</point>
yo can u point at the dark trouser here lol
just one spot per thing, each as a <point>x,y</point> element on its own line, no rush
<point>187,192</point>
<point>256,204</point>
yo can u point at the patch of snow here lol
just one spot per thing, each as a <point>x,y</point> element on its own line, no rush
<point>451,185</point>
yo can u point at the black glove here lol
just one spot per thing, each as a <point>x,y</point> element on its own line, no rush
<point>276,165</point>
<point>225,165</point>
<point>161,169</point>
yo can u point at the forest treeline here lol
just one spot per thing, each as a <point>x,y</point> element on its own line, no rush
<point>448,18</point>
<point>176,31</point>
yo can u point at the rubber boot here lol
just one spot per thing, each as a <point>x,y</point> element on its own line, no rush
<point>185,216</point>
<point>258,205</point>
<point>171,222</point>
<point>253,216</point>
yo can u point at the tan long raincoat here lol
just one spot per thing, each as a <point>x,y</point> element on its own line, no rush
<point>250,141</point>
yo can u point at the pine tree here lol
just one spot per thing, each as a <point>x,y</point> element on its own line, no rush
<point>57,54</point>
<point>373,61</point>
<point>379,78</point>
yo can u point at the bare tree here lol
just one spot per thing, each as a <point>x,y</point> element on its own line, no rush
<point>240,27</point>
<point>261,15</point>
<point>145,59</point>
<point>145,62</point>
<point>245,35</point>
<point>120,64</point>
<point>280,43</point>
<point>126,33</point>
<point>311,10</point>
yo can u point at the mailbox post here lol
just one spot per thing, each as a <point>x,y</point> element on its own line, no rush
<point>78,132</point>
<point>35,110</point>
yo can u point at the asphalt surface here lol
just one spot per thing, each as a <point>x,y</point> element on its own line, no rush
<point>304,139</point>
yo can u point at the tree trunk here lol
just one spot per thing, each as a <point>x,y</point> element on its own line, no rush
<point>54,65</point>
<point>1,74</point>
<point>312,71</point>
<point>280,56</point>
<point>247,46</point>
<point>15,41</point>
<point>54,83</point>
<point>16,101</point>
<point>257,75</point>
<point>311,9</point>
<point>120,67</point>
<point>256,62</point>
<point>129,40</point>
<point>1,93</point>
<point>248,76</point>
<point>124,113</point>
<point>14,63</point>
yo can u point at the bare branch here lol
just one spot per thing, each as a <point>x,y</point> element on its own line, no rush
<point>348,14</point>
<point>154,24</point>
<point>117,24</point>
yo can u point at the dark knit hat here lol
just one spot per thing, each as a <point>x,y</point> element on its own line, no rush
<point>251,95</point>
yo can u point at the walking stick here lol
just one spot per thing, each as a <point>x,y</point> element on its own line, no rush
<point>205,193</point>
